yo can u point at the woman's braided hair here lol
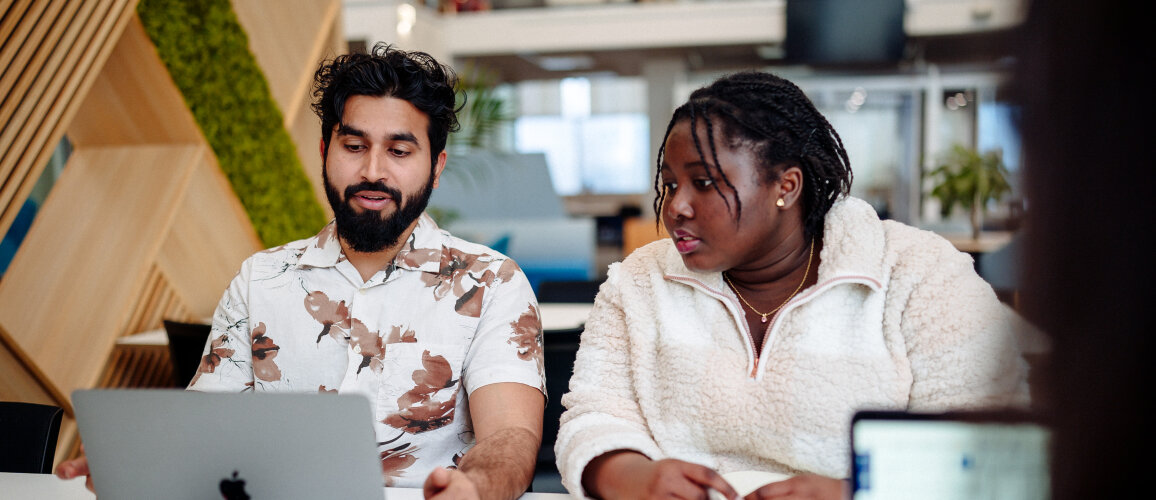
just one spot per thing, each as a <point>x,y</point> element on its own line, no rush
<point>782,127</point>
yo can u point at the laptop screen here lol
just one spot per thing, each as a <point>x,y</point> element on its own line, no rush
<point>974,456</point>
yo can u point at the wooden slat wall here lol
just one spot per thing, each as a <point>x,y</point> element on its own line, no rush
<point>156,302</point>
<point>204,249</point>
<point>133,100</point>
<point>81,270</point>
<point>138,366</point>
<point>142,225</point>
<point>19,380</point>
<point>49,55</point>
<point>52,57</point>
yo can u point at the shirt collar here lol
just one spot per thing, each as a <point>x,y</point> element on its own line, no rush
<point>324,249</point>
<point>424,250</point>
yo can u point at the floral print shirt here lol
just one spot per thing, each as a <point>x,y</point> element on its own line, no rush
<point>445,318</point>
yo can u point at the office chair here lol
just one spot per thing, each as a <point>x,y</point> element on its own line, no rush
<point>577,291</point>
<point>28,433</point>
<point>186,345</point>
<point>559,350</point>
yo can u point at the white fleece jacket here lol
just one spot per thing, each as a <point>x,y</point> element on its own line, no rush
<point>897,320</point>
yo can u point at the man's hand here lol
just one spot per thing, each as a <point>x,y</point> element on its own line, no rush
<point>626,474</point>
<point>447,484</point>
<point>507,419</point>
<point>803,486</point>
<point>74,468</point>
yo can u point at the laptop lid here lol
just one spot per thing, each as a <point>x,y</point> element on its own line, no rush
<point>167,443</point>
<point>946,456</point>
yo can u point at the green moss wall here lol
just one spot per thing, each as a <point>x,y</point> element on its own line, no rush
<point>207,53</point>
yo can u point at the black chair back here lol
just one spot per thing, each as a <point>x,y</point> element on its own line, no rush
<point>577,291</point>
<point>559,349</point>
<point>186,346</point>
<point>28,433</point>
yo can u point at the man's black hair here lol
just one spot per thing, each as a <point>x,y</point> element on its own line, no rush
<point>415,77</point>
<point>781,126</point>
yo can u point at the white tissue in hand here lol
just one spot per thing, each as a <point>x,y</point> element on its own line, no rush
<point>746,481</point>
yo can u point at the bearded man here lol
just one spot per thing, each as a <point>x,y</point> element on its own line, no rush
<point>442,335</point>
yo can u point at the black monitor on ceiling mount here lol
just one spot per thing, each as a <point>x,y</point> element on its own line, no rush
<point>845,32</point>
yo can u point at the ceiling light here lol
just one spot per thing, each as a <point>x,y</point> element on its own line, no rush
<point>564,63</point>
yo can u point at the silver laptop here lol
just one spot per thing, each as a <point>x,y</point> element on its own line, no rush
<point>176,444</point>
<point>949,456</point>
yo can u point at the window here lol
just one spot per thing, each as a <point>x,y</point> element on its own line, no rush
<point>879,125</point>
<point>593,131</point>
<point>981,117</point>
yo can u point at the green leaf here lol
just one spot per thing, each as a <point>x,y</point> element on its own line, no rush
<point>485,110</point>
<point>965,177</point>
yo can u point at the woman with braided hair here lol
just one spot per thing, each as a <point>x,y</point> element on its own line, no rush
<point>779,306</point>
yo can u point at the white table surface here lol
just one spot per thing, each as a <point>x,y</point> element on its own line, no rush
<point>46,486</point>
<point>563,316</point>
<point>555,316</point>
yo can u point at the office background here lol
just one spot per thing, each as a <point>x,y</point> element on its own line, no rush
<point>125,204</point>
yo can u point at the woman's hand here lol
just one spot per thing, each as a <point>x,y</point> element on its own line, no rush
<point>627,474</point>
<point>803,486</point>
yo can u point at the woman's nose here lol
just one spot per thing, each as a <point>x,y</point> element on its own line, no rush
<point>677,205</point>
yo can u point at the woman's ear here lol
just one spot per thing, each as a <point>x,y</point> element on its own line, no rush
<point>789,188</point>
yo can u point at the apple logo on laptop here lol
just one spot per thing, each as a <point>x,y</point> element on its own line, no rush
<point>233,488</point>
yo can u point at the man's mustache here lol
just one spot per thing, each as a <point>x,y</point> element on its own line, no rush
<point>352,191</point>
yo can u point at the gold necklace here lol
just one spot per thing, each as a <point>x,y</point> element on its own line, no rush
<point>773,311</point>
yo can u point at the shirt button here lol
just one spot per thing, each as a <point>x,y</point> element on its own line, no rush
<point>361,291</point>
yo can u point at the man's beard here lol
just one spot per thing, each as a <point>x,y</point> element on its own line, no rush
<point>369,231</point>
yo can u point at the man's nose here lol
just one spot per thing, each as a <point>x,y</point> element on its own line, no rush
<point>376,166</point>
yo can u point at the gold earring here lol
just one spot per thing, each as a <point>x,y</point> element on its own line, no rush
<point>780,203</point>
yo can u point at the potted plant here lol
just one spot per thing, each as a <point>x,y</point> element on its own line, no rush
<point>485,110</point>
<point>972,180</point>
<point>481,117</point>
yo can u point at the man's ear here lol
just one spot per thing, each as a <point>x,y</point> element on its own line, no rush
<point>790,186</point>
<point>321,148</point>
<point>439,167</point>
